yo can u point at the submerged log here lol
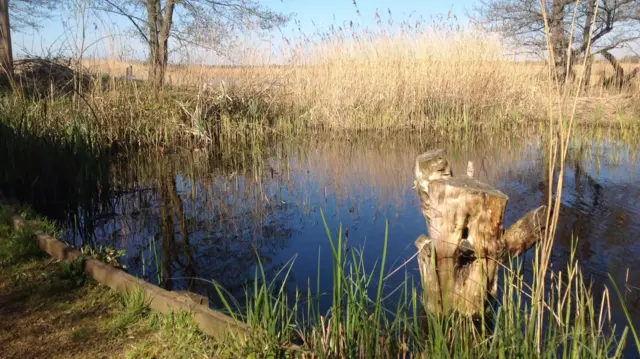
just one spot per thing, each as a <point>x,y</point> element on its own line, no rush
<point>459,260</point>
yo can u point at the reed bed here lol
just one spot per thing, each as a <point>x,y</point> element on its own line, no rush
<point>438,77</point>
<point>443,81</point>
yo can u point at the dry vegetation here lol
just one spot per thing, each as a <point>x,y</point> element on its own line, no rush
<point>442,80</point>
<point>393,81</point>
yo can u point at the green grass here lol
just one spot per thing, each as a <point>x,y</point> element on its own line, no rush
<point>362,323</point>
<point>135,307</point>
<point>17,246</point>
<point>176,335</point>
<point>364,320</point>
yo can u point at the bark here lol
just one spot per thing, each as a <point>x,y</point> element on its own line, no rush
<point>558,40</point>
<point>6,52</point>
<point>460,258</point>
<point>586,36</point>
<point>525,232</point>
<point>618,72</point>
<point>154,47</point>
<point>158,40</point>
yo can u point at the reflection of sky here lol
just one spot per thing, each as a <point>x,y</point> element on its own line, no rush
<point>227,215</point>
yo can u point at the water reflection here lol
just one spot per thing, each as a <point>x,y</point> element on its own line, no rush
<point>190,217</point>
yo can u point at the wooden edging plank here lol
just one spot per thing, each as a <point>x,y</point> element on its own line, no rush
<point>209,321</point>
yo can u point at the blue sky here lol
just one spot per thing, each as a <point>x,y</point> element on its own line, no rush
<point>310,14</point>
<point>337,11</point>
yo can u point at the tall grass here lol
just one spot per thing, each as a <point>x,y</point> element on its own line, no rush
<point>401,76</point>
<point>410,79</point>
<point>561,114</point>
<point>367,319</point>
<point>388,77</point>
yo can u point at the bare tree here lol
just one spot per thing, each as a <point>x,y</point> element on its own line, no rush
<point>575,27</point>
<point>23,14</point>
<point>28,14</point>
<point>6,54</point>
<point>209,23</point>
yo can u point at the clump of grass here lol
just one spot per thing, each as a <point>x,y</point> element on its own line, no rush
<point>42,223</point>
<point>105,254</point>
<point>176,336</point>
<point>5,216</point>
<point>268,313</point>
<point>135,307</point>
<point>73,272</point>
<point>18,246</point>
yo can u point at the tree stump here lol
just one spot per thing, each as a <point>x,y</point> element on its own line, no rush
<point>459,260</point>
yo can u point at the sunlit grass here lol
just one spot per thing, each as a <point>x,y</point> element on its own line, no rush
<point>441,80</point>
<point>135,307</point>
<point>17,246</point>
<point>363,323</point>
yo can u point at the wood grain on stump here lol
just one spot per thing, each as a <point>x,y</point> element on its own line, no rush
<point>459,260</point>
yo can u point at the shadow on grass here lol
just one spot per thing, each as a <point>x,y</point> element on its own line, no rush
<point>47,312</point>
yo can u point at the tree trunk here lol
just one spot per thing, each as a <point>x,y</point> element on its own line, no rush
<point>156,70</point>
<point>459,261</point>
<point>159,31</point>
<point>587,70</point>
<point>158,67</point>
<point>618,72</point>
<point>586,36</point>
<point>164,32</point>
<point>557,38</point>
<point>6,52</point>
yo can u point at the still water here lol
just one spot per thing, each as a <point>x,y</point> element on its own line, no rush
<point>190,217</point>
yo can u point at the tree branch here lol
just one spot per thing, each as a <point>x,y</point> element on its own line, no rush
<point>131,18</point>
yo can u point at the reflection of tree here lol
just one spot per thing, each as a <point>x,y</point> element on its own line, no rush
<point>168,238</point>
<point>213,211</point>
<point>205,228</point>
<point>599,214</point>
<point>65,180</point>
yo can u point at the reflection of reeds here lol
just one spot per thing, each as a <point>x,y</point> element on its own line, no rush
<point>550,303</point>
<point>363,323</point>
<point>230,204</point>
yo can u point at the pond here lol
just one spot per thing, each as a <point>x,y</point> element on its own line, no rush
<point>189,217</point>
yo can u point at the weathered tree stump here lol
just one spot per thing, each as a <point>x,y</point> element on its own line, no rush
<point>459,260</point>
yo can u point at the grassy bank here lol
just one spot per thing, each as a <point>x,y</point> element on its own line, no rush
<point>116,115</point>
<point>364,321</point>
<point>53,309</point>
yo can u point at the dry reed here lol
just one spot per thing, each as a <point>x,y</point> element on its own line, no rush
<point>386,80</point>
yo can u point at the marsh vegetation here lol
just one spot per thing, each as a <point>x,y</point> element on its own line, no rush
<point>283,192</point>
